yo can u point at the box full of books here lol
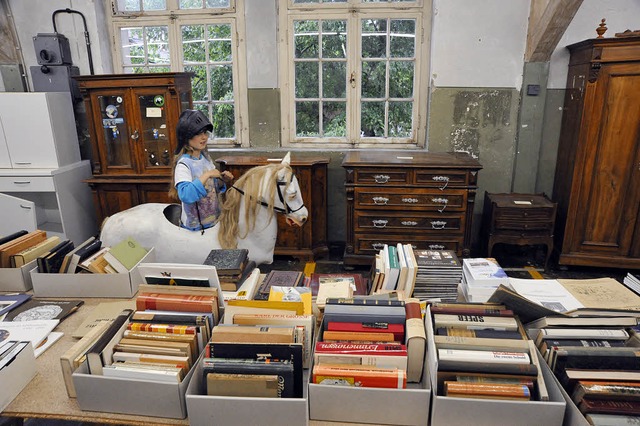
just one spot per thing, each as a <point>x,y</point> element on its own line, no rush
<point>369,363</point>
<point>17,368</point>
<point>90,284</point>
<point>18,253</point>
<point>484,370</point>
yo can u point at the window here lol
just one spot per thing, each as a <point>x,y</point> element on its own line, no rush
<point>196,36</point>
<point>354,72</point>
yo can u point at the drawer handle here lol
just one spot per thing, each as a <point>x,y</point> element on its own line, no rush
<point>22,163</point>
<point>382,178</point>
<point>22,182</point>
<point>444,201</point>
<point>409,223</point>
<point>380,200</point>
<point>380,223</point>
<point>378,246</point>
<point>436,246</point>
<point>438,224</point>
<point>410,200</point>
<point>444,179</point>
<point>25,207</point>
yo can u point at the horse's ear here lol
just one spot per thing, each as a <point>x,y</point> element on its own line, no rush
<point>287,159</point>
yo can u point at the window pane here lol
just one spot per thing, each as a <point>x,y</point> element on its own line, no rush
<point>306,79</point>
<point>132,43</point>
<point>306,39</point>
<point>402,44</point>
<point>307,119</point>
<point>334,118</point>
<point>193,44</point>
<point>221,82</point>
<point>157,44</point>
<point>373,79</point>
<point>198,82</point>
<point>318,1</point>
<point>374,38</point>
<point>334,80</point>
<point>217,3</point>
<point>190,4</point>
<point>219,43</point>
<point>154,4</point>
<point>203,108</point>
<point>159,69</point>
<point>223,121</point>
<point>401,79</point>
<point>334,39</point>
<point>372,119</point>
<point>129,5</point>
<point>400,119</point>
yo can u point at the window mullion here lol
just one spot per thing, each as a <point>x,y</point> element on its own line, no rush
<point>354,68</point>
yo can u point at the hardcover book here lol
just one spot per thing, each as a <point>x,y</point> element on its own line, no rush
<point>415,339</point>
<point>373,327</point>
<point>125,255</point>
<point>486,390</point>
<point>359,376</point>
<point>104,311</point>
<point>227,261</point>
<point>356,281</point>
<point>249,333</point>
<point>176,302</point>
<point>18,244</point>
<point>9,302</point>
<point>246,385</point>
<point>284,369</point>
<point>481,322</point>
<point>81,253</point>
<point>32,253</point>
<point>281,279</point>
<point>7,238</point>
<point>99,354</point>
<point>43,309</point>
<point>51,262</point>
<point>492,334</point>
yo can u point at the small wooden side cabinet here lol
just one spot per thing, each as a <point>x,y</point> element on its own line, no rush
<point>520,219</point>
<point>309,241</point>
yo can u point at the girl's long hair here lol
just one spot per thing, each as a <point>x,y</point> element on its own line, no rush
<point>186,149</point>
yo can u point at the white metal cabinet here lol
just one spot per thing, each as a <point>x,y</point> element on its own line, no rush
<point>17,213</point>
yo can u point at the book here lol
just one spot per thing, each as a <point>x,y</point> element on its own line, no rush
<point>483,272</point>
<point>394,268</point>
<point>99,354</point>
<point>103,311</point>
<point>9,302</point>
<point>165,375</point>
<point>79,254</point>
<point>570,376</point>
<point>618,358</point>
<point>140,345</point>
<point>360,376</point>
<point>75,355</point>
<point>403,266</point>
<point>182,361</point>
<point>292,294</point>
<point>480,343</point>
<point>329,288</point>
<point>381,358</point>
<point>589,405</point>
<point>582,333</point>
<point>35,331</point>
<point>415,339</point>
<point>362,301</point>
<point>330,336</point>
<point>547,344</point>
<point>18,244</point>
<point>376,327</point>
<point>485,390</point>
<point>600,322</point>
<point>176,302</point>
<point>482,367</point>
<point>43,309</point>
<point>364,313</point>
<point>606,390</point>
<point>51,262</point>
<point>412,270</point>
<point>95,257</point>
<point>482,322</point>
<point>227,261</point>
<point>493,334</point>
<point>360,348</point>
<point>7,238</point>
<point>284,369</point>
<point>278,278</point>
<point>598,419</point>
<point>125,255</point>
<point>167,338</point>
<point>249,333</point>
<point>487,357</point>
<point>296,307</point>
<point>437,309</point>
<point>32,253</point>
<point>355,280</point>
<point>246,385</point>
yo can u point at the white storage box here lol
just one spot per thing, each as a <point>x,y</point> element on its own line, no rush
<point>17,279</point>
<point>15,376</point>
<point>408,406</point>
<point>89,285</point>
<point>129,396</point>
<point>447,410</point>
<point>226,410</point>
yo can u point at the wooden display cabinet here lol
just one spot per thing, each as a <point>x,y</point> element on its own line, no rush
<point>132,120</point>
<point>309,241</point>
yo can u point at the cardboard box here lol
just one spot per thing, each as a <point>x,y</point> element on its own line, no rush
<point>15,376</point>
<point>17,279</point>
<point>470,411</point>
<point>89,285</point>
<point>139,397</point>
<point>226,410</point>
<point>408,406</point>
<point>572,415</point>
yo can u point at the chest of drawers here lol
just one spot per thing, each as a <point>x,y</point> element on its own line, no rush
<point>421,198</point>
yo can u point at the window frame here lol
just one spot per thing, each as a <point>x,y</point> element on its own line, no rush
<point>288,13</point>
<point>233,16</point>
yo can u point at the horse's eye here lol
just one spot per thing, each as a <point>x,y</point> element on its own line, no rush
<point>292,196</point>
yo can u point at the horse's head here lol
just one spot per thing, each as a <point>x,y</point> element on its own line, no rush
<point>289,196</point>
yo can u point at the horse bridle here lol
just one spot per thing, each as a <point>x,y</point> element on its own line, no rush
<point>279,184</point>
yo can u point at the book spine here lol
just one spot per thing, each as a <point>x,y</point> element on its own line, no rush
<point>584,333</point>
<point>283,369</point>
<point>483,356</point>
<point>491,334</point>
<point>361,377</point>
<point>372,327</point>
<point>476,322</point>
<point>494,390</point>
<point>358,336</point>
<point>174,302</point>
<point>380,361</point>
<point>360,348</point>
<point>480,367</point>
<point>490,312</point>
<point>363,302</point>
<point>162,328</point>
<point>589,405</point>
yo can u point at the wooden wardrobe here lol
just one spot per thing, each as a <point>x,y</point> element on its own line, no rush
<point>597,180</point>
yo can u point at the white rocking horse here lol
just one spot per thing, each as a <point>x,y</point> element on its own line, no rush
<point>247,219</point>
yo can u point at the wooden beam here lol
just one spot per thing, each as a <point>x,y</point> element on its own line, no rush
<point>548,20</point>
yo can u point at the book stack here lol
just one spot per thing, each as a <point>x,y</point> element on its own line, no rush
<point>279,279</point>
<point>231,265</point>
<point>632,282</point>
<point>22,247</point>
<point>483,352</point>
<point>596,360</point>
<point>439,273</point>
<point>480,278</point>
<point>363,343</point>
<point>394,269</point>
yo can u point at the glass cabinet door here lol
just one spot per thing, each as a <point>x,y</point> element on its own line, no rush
<point>157,152</point>
<point>113,125</point>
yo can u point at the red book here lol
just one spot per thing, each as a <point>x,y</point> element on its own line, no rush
<point>175,302</point>
<point>361,348</point>
<point>588,405</point>
<point>372,327</point>
<point>162,328</point>
<point>357,282</point>
<point>359,376</point>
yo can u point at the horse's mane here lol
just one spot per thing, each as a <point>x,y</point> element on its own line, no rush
<point>252,184</point>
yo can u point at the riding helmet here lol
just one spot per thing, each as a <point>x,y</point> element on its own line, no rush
<point>191,123</point>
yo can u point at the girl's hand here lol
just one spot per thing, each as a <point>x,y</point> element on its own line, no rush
<point>213,173</point>
<point>226,176</point>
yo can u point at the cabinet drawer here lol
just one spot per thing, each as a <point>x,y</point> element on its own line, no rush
<point>417,199</point>
<point>26,184</point>
<point>368,244</point>
<point>530,215</point>
<point>389,177</point>
<point>441,179</point>
<point>372,221</point>
<point>528,225</point>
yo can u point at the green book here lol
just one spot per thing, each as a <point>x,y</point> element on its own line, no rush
<point>125,255</point>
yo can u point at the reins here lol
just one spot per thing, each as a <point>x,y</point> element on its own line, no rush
<point>285,210</point>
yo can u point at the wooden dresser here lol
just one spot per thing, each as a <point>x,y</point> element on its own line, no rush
<point>421,198</point>
<point>309,241</point>
<point>597,180</point>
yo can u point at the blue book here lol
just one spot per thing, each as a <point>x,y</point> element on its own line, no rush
<point>9,302</point>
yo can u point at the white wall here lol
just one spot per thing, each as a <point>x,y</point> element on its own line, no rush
<point>621,15</point>
<point>479,43</point>
<point>262,49</point>
<point>35,16</point>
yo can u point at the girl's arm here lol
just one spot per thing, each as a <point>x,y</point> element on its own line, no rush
<point>190,192</point>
